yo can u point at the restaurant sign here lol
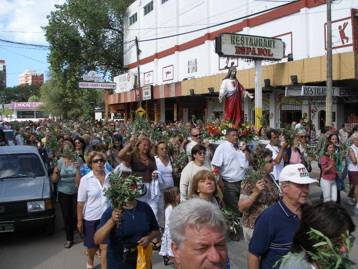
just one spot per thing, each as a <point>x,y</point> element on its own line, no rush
<point>316,91</point>
<point>249,46</point>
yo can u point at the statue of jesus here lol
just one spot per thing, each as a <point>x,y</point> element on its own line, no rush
<point>231,90</point>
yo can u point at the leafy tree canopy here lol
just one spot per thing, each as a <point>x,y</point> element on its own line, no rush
<point>18,93</point>
<point>83,35</point>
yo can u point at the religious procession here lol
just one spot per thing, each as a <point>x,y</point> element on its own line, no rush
<point>183,190</point>
<point>180,134</point>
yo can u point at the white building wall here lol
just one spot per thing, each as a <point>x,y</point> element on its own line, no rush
<point>179,16</point>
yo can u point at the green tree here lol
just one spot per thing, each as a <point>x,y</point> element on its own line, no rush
<point>19,93</point>
<point>60,101</point>
<point>83,35</point>
<point>34,98</point>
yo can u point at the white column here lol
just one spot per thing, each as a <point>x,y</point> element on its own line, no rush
<point>272,116</point>
<point>258,94</point>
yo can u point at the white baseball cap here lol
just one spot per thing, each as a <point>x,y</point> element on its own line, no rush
<point>296,173</point>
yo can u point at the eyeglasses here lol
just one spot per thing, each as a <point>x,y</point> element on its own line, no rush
<point>201,152</point>
<point>98,160</point>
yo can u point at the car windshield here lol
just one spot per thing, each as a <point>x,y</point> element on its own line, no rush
<point>20,165</point>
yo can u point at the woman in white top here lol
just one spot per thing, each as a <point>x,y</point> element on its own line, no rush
<point>353,165</point>
<point>186,178</point>
<point>165,170</point>
<point>91,203</point>
<point>164,166</point>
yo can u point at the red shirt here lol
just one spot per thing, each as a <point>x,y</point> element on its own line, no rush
<point>331,174</point>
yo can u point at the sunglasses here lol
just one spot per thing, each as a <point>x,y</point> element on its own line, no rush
<point>98,160</point>
<point>196,135</point>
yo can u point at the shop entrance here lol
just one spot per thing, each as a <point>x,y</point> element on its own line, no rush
<point>289,116</point>
<point>322,119</point>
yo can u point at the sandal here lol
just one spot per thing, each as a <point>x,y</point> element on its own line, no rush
<point>156,246</point>
<point>68,244</point>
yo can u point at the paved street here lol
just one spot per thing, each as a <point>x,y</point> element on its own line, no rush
<point>32,249</point>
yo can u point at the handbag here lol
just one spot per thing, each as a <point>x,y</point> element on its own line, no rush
<point>144,257</point>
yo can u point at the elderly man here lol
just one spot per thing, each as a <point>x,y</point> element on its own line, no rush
<point>275,227</point>
<point>198,230</point>
<point>230,162</point>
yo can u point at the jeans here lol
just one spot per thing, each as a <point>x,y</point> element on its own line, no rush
<point>329,190</point>
<point>232,194</point>
<point>68,204</point>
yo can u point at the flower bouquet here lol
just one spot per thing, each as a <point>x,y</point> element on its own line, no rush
<point>247,132</point>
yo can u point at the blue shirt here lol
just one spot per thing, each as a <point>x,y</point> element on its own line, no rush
<point>67,181</point>
<point>273,234</point>
<point>135,223</point>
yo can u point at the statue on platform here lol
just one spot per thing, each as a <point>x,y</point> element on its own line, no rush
<point>232,91</point>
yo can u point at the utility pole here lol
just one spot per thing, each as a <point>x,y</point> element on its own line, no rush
<point>138,71</point>
<point>329,91</point>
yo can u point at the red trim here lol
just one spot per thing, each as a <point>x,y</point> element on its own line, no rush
<point>252,22</point>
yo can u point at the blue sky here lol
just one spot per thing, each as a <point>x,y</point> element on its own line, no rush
<point>21,21</point>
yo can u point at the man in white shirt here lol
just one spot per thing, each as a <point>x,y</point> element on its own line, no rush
<point>277,152</point>
<point>230,162</point>
<point>194,140</point>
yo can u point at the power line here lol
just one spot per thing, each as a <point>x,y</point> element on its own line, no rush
<point>24,44</point>
<point>25,56</point>
<point>218,24</point>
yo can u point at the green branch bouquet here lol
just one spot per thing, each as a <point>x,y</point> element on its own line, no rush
<point>233,221</point>
<point>328,254</point>
<point>123,189</point>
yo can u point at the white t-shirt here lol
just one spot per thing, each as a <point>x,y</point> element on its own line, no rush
<point>277,168</point>
<point>232,162</point>
<point>188,149</point>
<point>166,172</point>
<point>351,166</point>
<point>91,192</point>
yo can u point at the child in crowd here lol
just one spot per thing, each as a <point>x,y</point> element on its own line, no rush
<point>171,199</point>
<point>329,173</point>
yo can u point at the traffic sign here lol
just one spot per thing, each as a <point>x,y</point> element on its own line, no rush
<point>140,111</point>
<point>96,85</point>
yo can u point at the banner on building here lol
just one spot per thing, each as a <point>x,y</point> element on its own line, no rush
<point>147,92</point>
<point>148,78</point>
<point>124,82</point>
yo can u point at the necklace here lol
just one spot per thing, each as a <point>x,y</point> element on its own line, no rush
<point>130,212</point>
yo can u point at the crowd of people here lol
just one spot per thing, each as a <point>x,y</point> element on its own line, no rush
<point>189,181</point>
